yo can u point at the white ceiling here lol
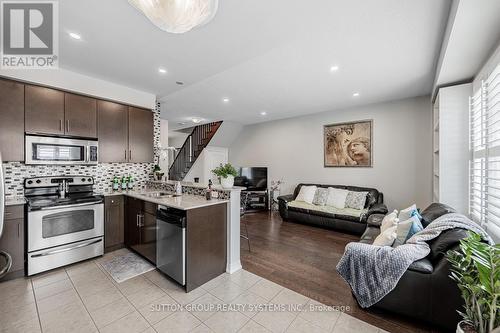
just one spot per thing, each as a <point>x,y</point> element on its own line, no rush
<point>473,33</point>
<point>265,55</point>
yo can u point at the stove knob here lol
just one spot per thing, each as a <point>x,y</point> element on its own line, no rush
<point>83,179</point>
<point>30,182</point>
<point>90,179</point>
<point>38,181</point>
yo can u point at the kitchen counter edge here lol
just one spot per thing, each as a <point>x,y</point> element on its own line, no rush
<point>170,202</point>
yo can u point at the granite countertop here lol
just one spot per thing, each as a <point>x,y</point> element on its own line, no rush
<point>197,185</point>
<point>14,201</point>
<point>184,202</point>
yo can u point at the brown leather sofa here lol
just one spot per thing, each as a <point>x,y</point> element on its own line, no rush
<point>374,204</point>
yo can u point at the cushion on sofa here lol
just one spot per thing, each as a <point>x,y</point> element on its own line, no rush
<point>406,213</point>
<point>336,197</point>
<point>434,211</point>
<point>448,239</point>
<point>306,194</point>
<point>356,200</point>
<point>372,198</point>
<point>406,229</point>
<point>390,220</point>
<point>320,197</point>
<point>386,238</point>
<point>327,211</point>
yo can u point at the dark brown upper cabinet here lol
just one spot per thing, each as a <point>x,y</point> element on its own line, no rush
<point>12,120</point>
<point>44,110</point>
<point>140,135</point>
<point>112,131</point>
<point>80,115</point>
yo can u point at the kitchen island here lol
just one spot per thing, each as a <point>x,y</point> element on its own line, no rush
<point>202,255</point>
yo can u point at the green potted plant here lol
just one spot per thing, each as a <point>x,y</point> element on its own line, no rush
<point>476,270</point>
<point>158,175</point>
<point>226,174</point>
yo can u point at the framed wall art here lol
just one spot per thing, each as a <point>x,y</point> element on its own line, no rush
<point>348,144</point>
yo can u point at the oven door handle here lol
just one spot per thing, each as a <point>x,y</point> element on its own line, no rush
<point>74,205</point>
<point>66,249</point>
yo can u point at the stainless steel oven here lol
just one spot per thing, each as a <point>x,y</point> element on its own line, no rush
<point>53,226</point>
<point>65,222</point>
<point>61,235</point>
<point>53,150</point>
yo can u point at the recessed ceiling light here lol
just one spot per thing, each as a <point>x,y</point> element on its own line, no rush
<point>263,113</point>
<point>225,100</point>
<point>162,70</point>
<point>75,35</point>
<point>334,68</point>
<point>196,120</point>
<point>356,94</point>
<point>181,124</point>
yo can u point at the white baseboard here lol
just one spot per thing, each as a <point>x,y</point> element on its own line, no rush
<point>233,267</point>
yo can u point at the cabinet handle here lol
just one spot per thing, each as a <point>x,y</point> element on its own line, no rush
<point>60,125</point>
<point>125,154</point>
<point>67,125</point>
<point>130,155</point>
<point>19,230</point>
<point>137,220</point>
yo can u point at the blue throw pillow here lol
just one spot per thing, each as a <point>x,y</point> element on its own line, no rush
<point>416,226</point>
<point>417,214</point>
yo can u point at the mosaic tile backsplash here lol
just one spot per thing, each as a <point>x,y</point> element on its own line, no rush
<point>103,173</point>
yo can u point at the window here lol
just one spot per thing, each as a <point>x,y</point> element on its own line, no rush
<point>484,204</point>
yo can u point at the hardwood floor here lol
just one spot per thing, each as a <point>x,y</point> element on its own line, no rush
<point>303,258</point>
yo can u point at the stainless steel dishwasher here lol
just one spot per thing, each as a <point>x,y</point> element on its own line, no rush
<point>171,243</point>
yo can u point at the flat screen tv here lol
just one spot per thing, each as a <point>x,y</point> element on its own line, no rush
<point>253,178</point>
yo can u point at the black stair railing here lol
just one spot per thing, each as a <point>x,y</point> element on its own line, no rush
<point>193,146</point>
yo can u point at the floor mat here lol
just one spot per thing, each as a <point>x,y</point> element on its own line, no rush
<point>126,266</point>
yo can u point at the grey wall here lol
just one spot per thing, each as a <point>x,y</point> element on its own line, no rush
<point>292,149</point>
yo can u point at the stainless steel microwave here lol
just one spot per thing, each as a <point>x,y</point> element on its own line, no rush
<point>62,151</point>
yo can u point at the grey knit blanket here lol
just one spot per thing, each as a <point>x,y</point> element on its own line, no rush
<point>374,271</point>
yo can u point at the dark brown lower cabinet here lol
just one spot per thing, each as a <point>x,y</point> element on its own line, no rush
<point>206,238</point>
<point>140,229</point>
<point>12,240</point>
<point>206,244</point>
<point>114,222</point>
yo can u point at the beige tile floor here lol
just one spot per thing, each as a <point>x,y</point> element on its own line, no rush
<point>84,298</point>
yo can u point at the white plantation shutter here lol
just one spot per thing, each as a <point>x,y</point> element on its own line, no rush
<point>484,203</point>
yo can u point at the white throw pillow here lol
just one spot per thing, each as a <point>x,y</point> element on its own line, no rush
<point>406,213</point>
<point>390,220</point>
<point>403,229</point>
<point>386,238</point>
<point>306,194</point>
<point>336,197</point>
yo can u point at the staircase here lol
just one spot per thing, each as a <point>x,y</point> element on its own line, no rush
<point>191,149</point>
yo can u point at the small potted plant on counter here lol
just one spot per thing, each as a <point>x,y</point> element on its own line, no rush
<point>158,175</point>
<point>476,270</point>
<point>226,174</point>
